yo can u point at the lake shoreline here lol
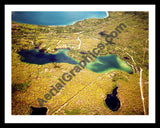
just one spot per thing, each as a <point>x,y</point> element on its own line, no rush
<point>60,24</point>
<point>107,15</point>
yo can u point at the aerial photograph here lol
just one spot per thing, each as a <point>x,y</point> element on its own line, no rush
<point>80,62</point>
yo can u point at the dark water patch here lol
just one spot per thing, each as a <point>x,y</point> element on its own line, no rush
<point>38,111</point>
<point>38,57</point>
<point>147,66</point>
<point>112,100</point>
<point>42,50</point>
<point>83,53</point>
<point>114,92</point>
<point>103,33</point>
<point>36,47</point>
<point>126,58</point>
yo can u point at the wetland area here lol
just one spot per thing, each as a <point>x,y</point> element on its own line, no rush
<point>102,64</point>
<point>64,69</point>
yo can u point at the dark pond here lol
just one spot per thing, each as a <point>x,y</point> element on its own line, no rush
<point>112,100</point>
<point>38,111</point>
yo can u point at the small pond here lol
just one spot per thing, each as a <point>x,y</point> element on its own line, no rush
<point>112,100</point>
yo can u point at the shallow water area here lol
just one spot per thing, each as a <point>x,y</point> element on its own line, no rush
<point>109,63</point>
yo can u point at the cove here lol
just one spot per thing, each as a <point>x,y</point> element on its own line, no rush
<point>102,64</point>
<point>55,17</point>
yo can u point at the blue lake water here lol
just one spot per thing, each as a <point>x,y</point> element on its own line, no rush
<point>36,57</point>
<point>102,64</point>
<point>55,17</point>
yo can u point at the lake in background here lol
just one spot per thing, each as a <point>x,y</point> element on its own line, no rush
<point>55,17</point>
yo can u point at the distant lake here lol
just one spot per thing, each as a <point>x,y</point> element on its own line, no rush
<point>55,17</point>
<point>102,64</point>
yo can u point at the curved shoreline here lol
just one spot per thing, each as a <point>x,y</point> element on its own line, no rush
<point>107,14</point>
<point>70,22</point>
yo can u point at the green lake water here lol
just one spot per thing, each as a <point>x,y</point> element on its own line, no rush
<point>109,63</point>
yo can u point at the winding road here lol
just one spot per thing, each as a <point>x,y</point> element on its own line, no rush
<point>140,79</point>
<point>79,46</point>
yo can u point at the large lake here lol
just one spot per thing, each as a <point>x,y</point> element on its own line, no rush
<point>102,64</point>
<point>55,17</point>
<point>36,57</point>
